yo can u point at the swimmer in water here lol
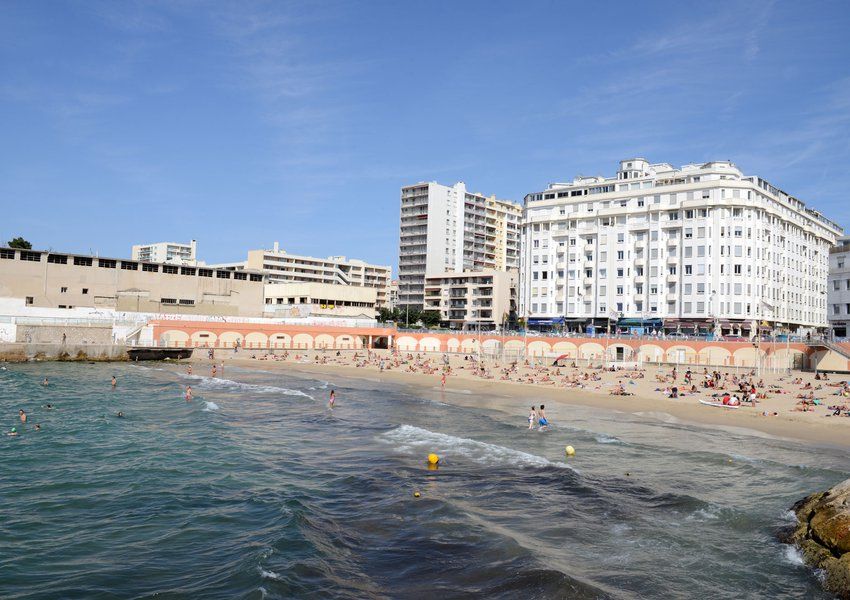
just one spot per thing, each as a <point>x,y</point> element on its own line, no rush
<point>188,393</point>
<point>23,415</point>
<point>45,382</point>
<point>114,382</point>
<point>49,407</point>
<point>213,370</point>
<point>120,415</point>
<point>37,427</point>
<point>13,431</point>
<point>332,399</point>
<point>532,416</point>
<point>189,370</point>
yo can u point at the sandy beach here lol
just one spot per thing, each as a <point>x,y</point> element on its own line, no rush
<point>515,387</point>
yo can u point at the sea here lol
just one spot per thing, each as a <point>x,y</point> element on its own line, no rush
<point>257,489</point>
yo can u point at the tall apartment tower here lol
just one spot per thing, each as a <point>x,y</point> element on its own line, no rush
<point>447,229</point>
<point>702,247</point>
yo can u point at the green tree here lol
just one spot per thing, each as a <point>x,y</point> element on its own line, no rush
<point>430,318</point>
<point>20,242</point>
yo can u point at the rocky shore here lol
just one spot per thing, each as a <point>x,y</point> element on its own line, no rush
<point>822,534</point>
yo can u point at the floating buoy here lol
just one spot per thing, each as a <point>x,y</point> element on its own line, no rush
<point>570,451</point>
<point>416,494</point>
<point>433,459</point>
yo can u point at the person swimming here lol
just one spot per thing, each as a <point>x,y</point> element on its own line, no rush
<point>13,431</point>
<point>37,427</point>
<point>45,382</point>
<point>120,415</point>
<point>49,407</point>
<point>114,381</point>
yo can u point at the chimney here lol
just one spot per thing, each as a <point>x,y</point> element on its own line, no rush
<point>276,247</point>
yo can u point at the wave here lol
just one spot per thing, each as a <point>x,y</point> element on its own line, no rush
<point>269,574</point>
<point>221,383</point>
<point>793,556</point>
<point>408,439</point>
<point>210,406</point>
<point>606,439</point>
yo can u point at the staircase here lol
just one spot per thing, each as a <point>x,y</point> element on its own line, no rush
<point>832,346</point>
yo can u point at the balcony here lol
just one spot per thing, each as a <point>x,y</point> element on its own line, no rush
<point>672,278</point>
<point>672,259</point>
<point>588,281</point>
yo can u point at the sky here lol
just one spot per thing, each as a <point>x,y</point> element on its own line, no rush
<point>239,124</point>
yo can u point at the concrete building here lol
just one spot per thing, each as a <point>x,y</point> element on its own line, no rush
<point>838,288</point>
<point>166,252</point>
<point>392,294</point>
<point>66,281</point>
<point>320,300</point>
<point>280,266</point>
<point>484,300</point>
<point>446,229</point>
<point>697,248</point>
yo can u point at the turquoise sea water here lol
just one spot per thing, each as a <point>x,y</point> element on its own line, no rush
<point>255,489</point>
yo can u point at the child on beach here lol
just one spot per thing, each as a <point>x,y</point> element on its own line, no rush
<point>532,416</point>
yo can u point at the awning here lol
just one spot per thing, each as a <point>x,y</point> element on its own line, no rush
<point>546,321</point>
<point>639,322</point>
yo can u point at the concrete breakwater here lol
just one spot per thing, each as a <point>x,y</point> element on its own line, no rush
<point>23,352</point>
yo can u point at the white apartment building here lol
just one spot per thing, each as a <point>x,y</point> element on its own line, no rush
<point>167,252</point>
<point>319,300</point>
<point>446,228</point>
<point>697,248</point>
<point>280,266</point>
<point>483,300</point>
<point>838,288</point>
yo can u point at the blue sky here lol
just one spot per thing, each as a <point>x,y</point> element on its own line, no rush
<point>239,124</point>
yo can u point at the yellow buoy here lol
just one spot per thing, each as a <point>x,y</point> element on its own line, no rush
<point>570,451</point>
<point>416,494</point>
<point>433,459</point>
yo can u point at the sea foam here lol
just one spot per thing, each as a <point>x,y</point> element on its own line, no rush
<point>228,384</point>
<point>410,439</point>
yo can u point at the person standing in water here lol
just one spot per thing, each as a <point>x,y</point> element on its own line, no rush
<point>189,370</point>
<point>188,393</point>
<point>443,381</point>
<point>45,382</point>
<point>22,415</point>
<point>114,381</point>
<point>213,371</point>
<point>532,417</point>
<point>541,418</point>
<point>332,399</point>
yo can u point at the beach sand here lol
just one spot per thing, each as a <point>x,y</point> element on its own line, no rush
<point>465,386</point>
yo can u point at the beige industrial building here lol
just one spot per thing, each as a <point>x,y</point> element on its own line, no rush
<point>279,266</point>
<point>320,300</point>
<point>65,281</point>
<point>472,299</point>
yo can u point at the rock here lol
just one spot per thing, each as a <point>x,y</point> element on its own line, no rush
<point>823,535</point>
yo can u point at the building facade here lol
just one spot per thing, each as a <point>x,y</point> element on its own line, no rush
<point>320,300</point>
<point>280,266</point>
<point>446,229</point>
<point>838,288</point>
<point>66,281</point>
<point>482,300</point>
<point>697,248</point>
<point>166,252</point>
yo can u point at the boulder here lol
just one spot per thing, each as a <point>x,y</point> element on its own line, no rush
<point>822,533</point>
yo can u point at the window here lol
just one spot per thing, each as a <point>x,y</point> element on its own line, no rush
<point>129,266</point>
<point>82,261</point>
<point>204,273</point>
<point>148,268</point>
<point>170,270</point>
<point>105,263</point>
<point>240,276</point>
<point>255,277</point>
<point>57,259</point>
<point>222,274</point>
<point>30,256</point>
<point>187,302</point>
<point>620,255</point>
<point>85,291</point>
<point>7,253</point>
<point>29,301</point>
<point>168,300</point>
<point>63,290</point>
<point>187,271</point>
